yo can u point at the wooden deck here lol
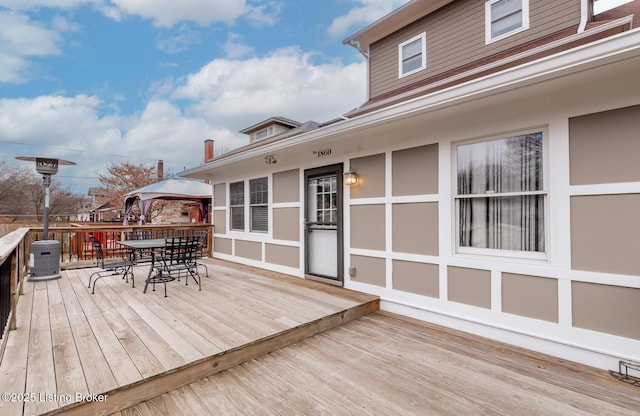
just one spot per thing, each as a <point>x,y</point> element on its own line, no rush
<point>77,353</point>
<point>256,342</point>
<point>382,364</point>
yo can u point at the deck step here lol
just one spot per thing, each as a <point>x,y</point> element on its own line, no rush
<point>130,395</point>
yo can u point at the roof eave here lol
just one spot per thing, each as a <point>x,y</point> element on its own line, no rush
<point>392,22</point>
<point>608,50</point>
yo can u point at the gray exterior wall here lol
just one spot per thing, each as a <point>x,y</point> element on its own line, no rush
<point>606,308</point>
<point>418,278</point>
<point>604,233</point>
<point>581,294</point>
<point>415,170</point>
<point>286,186</point>
<point>531,296</point>
<point>469,286</point>
<point>591,143</point>
<point>455,36</point>
<point>220,195</point>
<point>415,228</point>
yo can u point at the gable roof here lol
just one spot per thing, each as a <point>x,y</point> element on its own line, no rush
<point>558,42</point>
<point>399,18</point>
<point>287,122</point>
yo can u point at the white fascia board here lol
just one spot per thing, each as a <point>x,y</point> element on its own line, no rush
<point>605,51</point>
<point>484,68</point>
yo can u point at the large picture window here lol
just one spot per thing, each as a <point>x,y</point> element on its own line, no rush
<point>500,200</point>
<point>236,205</point>
<point>505,17</point>
<point>259,199</point>
<point>412,56</point>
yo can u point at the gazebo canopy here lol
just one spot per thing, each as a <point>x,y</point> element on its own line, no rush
<point>170,189</point>
<point>173,188</point>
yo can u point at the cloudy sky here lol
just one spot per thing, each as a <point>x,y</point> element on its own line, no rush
<point>104,81</point>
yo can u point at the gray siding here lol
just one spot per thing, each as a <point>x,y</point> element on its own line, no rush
<point>455,36</point>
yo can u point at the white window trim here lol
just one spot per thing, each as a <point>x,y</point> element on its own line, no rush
<point>501,253</point>
<point>487,22</point>
<point>423,65</point>
<point>268,132</point>
<point>238,206</point>
<point>247,230</point>
<point>250,217</point>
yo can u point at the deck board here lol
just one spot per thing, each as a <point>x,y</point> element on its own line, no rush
<point>40,360</point>
<point>94,364</point>
<point>382,364</point>
<point>68,368</point>
<point>256,342</point>
<point>134,346</point>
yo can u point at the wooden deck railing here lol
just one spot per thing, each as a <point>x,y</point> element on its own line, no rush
<point>13,268</point>
<point>76,251</point>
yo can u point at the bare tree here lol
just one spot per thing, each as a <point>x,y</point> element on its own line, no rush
<point>22,195</point>
<point>123,178</point>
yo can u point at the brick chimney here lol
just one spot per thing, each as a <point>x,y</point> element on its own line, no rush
<point>160,170</point>
<point>208,150</point>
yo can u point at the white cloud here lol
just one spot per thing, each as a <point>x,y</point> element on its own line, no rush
<point>62,24</point>
<point>34,4</point>
<point>367,11</point>
<point>73,128</point>
<point>223,97</point>
<point>235,47</point>
<point>264,13</point>
<point>168,13</point>
<point>604,5</point>
<point>50,119</point>
<point>20,40</point>
<point>179,42</point>
<point>239,93</point>
<point>163,132</point>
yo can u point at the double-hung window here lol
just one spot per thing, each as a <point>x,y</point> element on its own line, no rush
<point>504,18</point>
<point>236,205</point>
<point>500,198</point>
<point>412,56</point>
<point>259,199</point>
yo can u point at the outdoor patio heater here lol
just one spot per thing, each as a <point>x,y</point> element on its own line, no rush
<point>44,255</point>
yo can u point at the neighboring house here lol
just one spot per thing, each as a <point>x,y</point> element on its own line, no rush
<point>100,210</point>
<point>498,182</point>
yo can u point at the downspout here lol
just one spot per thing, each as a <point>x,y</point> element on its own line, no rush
<point>586,14</point>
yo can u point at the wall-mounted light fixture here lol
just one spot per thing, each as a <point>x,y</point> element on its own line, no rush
<point>350,177</point>
<point>270,160</point>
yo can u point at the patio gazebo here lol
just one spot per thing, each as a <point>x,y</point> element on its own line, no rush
<point>170,189</point>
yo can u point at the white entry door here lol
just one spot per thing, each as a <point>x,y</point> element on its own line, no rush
<point>323,222</point>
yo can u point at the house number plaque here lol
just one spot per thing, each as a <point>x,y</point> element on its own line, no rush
<point>322,153</point>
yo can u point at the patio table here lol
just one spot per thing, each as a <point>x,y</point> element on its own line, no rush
<point>151,245</point>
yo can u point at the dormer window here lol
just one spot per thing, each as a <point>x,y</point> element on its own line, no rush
<point>504,18</point>
<point>412,56</point>
<point>263,134</point>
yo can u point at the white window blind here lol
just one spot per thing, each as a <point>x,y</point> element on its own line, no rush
<point>259,199</point>
<point>236,205</point>
<point>500,196</point>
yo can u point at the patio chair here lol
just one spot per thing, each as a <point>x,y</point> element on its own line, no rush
<point>201,238</point>
<point>139,256</point>
<point>178,258</point>
<point>123,267</point>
